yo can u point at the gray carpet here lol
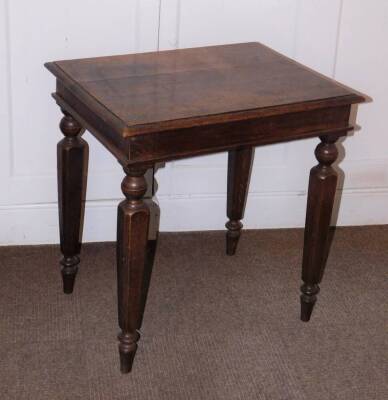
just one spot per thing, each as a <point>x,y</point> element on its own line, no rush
<point>215,327</point>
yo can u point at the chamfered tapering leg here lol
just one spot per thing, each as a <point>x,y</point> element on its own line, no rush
<point>72,157</point>
<point>321,193</point>
<point>239,169</point>
<point>132,266</point>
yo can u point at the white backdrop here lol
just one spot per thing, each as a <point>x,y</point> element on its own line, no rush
<point>345,39</point>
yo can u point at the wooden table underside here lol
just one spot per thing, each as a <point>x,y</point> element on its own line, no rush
<point>164,106</point>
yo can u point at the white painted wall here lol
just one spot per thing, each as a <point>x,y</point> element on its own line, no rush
<point>344,39</point>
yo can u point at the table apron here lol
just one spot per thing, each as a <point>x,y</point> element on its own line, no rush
<point>204,139</point>
<point>176,144</point>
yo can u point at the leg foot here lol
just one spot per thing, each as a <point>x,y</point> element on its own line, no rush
<point>232,236</point>
<point>239,170</point>
<point>69,272</point>
<point>307,301</point>
<point>320,200</point>
<point>127,351</point>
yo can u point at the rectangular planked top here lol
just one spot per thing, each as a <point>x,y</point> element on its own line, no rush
<point>153,92</point>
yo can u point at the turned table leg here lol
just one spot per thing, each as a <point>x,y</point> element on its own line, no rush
<point>321,193</point>
<point>72,157</point>
<point>239,169</point>
<point>132,266</point>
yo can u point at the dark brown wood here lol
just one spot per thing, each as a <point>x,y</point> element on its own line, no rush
<point>157,107</point>
<point>132,277</point>
<point>152,92</point>
<point>320,200</point>
<point>175,144</point>
<point>145,107</point>
<point>72,157</point>
<point>239,171</point>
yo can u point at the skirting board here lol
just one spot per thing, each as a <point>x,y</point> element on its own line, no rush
<point>38,223</point>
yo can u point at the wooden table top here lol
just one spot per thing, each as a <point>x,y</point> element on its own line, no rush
<point>152,92</point>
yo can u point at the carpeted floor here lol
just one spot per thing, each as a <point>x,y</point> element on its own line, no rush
<point>215,327</point>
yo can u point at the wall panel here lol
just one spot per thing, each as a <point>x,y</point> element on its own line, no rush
<point>32,33</point>
<point>344,39</point>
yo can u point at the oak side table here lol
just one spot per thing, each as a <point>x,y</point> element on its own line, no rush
<point>156,107</point>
